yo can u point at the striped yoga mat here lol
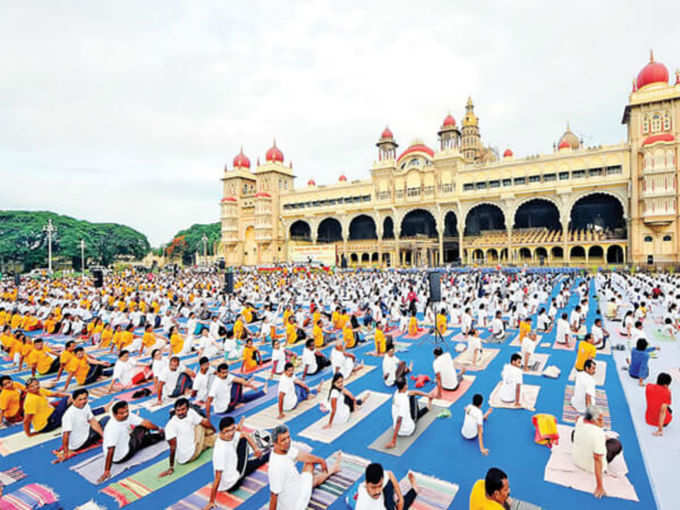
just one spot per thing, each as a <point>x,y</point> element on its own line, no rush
<point>11,475</point>
<point>569,414</point>
<point>29,497</point>
<point>433,494</point>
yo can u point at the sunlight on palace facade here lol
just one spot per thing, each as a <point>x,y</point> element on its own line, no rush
<point>463,202</point>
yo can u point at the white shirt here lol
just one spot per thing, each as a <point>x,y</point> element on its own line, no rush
<point>583,385</point>
<point>170,377</point>
<point>76,421</point>
<point>401,409</point>
<point>366,502</point>
<point>389,368</point>
<point>473,419</point>
<point>117,435</point>
<point>562,331</point>
<point>183,432</point>
<point>279,357</point>
<point>286,481</point>
<point>589,439</point>
<point>342,411</point>
<point>511,377</point>
<point>225,460</point>
<point>287,387</point>
<point>309,361</point>
<point>497,326</point>
<point>123,371</point>
<point>443,365</point>
<point>202,383</point>
<point>220,391</point>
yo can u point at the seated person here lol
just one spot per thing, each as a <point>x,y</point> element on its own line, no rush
<point>658,398</point>
<point>188,434</point>
<point>543,321</point>
<point>124,435</point>
<point>80,428</point>
<point>473,424</point>
<point>38,412</point>
<point>600,336</point>
<point>231,462</point>
<point>528,347</point>
<point>280,357</point>
<point>638,364</point>
<point>226,392</point>
<point>381,491</point>
<point>445,374</point>
<point>203,380</point>
<point>252,358</point>
<point>497,328</point>
<point>592,451</point>
<point>392,367</point>
<point>66,355</point>
<point>341,402</point>
<point>350,334</point>
<point>313,360</point>
<point>584,387</point>
<point>12,396</point>
<point>320,334</point>
<point>175,380</point>
<point>380,339</point>
<point>511,381</point>
<point>127,372</point>
<point>85,369</point>
<point>413,329</point>
<point>563,334</point>
<point>40,359</point>
<point>441,322</point>
<point>406,411</point>
<point>291,391</point>
<point>342,361</point>
<point>491,493</point>
<point>586,350</point>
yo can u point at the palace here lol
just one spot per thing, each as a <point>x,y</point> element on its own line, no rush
<point>464,203</point>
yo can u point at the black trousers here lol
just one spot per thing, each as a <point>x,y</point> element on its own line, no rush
<point>417,412</point>
<point>140,438</point>
<point>94,436</point>
<point>246,466</point>
<point>388,496</point>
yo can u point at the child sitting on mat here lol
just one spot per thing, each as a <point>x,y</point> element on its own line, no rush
<point>406,411</point>
<point>473,424</point>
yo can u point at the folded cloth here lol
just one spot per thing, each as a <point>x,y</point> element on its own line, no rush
<point>552,371</point>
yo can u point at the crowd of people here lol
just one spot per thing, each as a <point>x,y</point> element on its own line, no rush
<point>157,327</point>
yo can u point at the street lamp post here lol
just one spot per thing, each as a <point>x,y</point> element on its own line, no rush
<point>49,229</point>
<point>82,256</point>
<point>205,248</point>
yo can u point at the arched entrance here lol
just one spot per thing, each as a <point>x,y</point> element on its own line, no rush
<point>615,254</point>
<point>541,255</point>
<point>537,213</point>
<point>418,222</point>
<point>595,254</point>
<point>525,255</point>
<point>577,254</point>
<point>300,231</point>
<point>250,247</point>
<point>388,228</point>
<point>451,248</point>
<point>598,212</point>
<point>557,253</point>
<point>329,231</point>
<point>484,217</point>
<point>362,227</point>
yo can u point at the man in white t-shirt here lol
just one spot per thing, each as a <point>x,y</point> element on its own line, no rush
<point>592,451</point>
<point>188,434</point>
<point>511,381</point>
<point>126,371</point>
<point>392,367</point>
<point>584,387</point>
<point>231,464</point>
<point>563,334</point>
<point>342,361</point>
<point>79,427</point>
<point>497,329</point>
<point>445,374</point>
<point>124,435</point>
<point>406,410</point>
<point>291,391</point>
<point>473,423</point>
<point>175,380</point>
<point>226,391</point>
<point>290,489</point>
<point>203,380</point>
<point>600,336</point>
<point>313,361</point>
<point>381,489</point>
<point>528,348</point>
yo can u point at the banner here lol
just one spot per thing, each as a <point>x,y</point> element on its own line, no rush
<point>324,253</point>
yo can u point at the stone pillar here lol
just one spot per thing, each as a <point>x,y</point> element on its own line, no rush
<point>509,229</point>
<point>396,257</point>
<point>461,231</point>
<point>564,221</point>
<point>440,259</point>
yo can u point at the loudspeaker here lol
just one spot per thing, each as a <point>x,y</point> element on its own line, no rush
<point>435,286</point>
<point>98,276</point>
<point>650,259</point>
<point>229,282</point>
<point>17,280</point>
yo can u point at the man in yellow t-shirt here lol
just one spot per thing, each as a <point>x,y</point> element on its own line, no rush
<point>40,359</point>
<point>38,412</point>
<point>586,350</point>
<point>380,340</point>
<point>442,324</point>
<point>491,493</point>
<point>86,369</point>
<point>11,400</point>
<point>291,331</point>
<point>66,356</point>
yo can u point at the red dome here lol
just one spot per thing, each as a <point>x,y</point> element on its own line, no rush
<point>262,194</point>
<point>664,137</point>
<point>654,72</point>
<point>449,121</point>
<point>311,182</point>
<point>508,153</point>
<point>564,145</point>
<point>241,160</point>
<point>274,154</point>
<point>229,199</point>
<point>387,133</point>
<point>418,147</point>
<point>342,178</point>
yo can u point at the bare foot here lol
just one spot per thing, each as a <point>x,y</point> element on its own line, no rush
<point>412,481</point>
<point>336,466</point>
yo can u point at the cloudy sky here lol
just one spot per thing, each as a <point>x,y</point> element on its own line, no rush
<point>127,111</point>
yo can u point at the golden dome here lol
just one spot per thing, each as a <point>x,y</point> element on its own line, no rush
<point>570,138</point>
<point>470,119</point>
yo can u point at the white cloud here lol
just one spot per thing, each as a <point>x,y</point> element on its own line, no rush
<point>128,111</point>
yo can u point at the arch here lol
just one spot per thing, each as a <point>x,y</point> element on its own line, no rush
<point>375,257</point>
<point>249,246</point>
<point>524,254</point>
<point>577,252</point>
<point>492,255</point>
<point>595,252</point>
<point>584,210</point>
<point>484,216</point>
<point>537,212</point>
<point>478,255</point>
<point>354,258</point>
<point>615,254</point>
<point>418,221</point>
<point>450,224</point>
<point>504,254</point>
<point>557,252</point>
<point>541,252</point>
<point>388,228</point>
<point>300,230</point>
<point>329,231</point>
<point>365,257</point>
<point>362,227</point>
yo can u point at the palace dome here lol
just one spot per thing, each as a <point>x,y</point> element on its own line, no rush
<point>274,154</point>
<point>387,133</point>
<point>241,160</point>
<point>449,121</point>
<point>508,153</point>
<point>654,72</point>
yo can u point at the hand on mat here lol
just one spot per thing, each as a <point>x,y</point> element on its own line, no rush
<point>485,451</point>
<point>105,476</point>
<point>390,445</point>
<point>599,492</point>
<point>167,472</point>
<point>658,432</point>
<point>209,506</point>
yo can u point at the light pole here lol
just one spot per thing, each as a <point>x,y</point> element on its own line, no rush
<point>82,256</point>
<point>50,229</point>
<point>205,248</point>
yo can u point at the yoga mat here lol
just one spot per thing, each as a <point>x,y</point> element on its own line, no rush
<point>448,398</point>
<point>268,417</point>
<point>491,340</point>
<point>417,336</point>
<point>404,442</point>
<point>539,361</point>
<point>561,470</point>
<point>19,441</point>
<point>143,483</point>
<point>11,475</point>
<point>522,505</point>
<point>94,446</point>
<point>239,372</point>
<point>33,495</point>
<point>229,500</point>
<point>564,347</point>
<point>464,359</point>
<point>433,494</point>
<point>528,397</point>
<point>570,415</point>
<point>398,347</point>
<point>516,343</point>
<point>600,373</point>
<point>91,469</point>
<point>316,431</point>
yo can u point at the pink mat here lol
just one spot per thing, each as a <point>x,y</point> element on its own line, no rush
<point>238,371</point>
<point>450,397</point>
<point>414,337</point>
<point>564,347</point>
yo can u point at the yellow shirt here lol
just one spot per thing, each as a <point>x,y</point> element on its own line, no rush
<point>16,320</point>
<point>335,319</point>
<point>41,359</point>
<point>441,323</point>
<point>49,325</point>
<point>249,358</point>
<point>380,342</point>
<point>478,499</point>
<point>126,339</point>
<point>248,314</point>
<point>66,357</point>
<point>39,407</point>
<point>10,400</point>
<point>412,326</point>
<point>524,329</point>
<point>317,333</point>
<point>586,351</point>
<point>238,329</point>
<point>348,337</point>
<point>7,340</point>
<point>148,339</point>
<point>291,333</point>
<point>79,367</point>
<point>107,334</point>
<point>344,319</point>
<point>176,343</point>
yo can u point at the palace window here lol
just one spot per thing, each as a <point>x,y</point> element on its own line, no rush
<point>656,123</point>
<point>507,182</point>
<point>666,121</point>
<point>549,177</point>
<point>648,239</point>
<point>564,176</point>
<point>534,178</point>
<point>577,174</point>
<point>468,186</point>
<point>481,185</point>
<point>519,181</point>
<point>594,172</point>
<point>614,170</point>
<point>494,184</point>
<point>645,125</point>
<point>667,238</point>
